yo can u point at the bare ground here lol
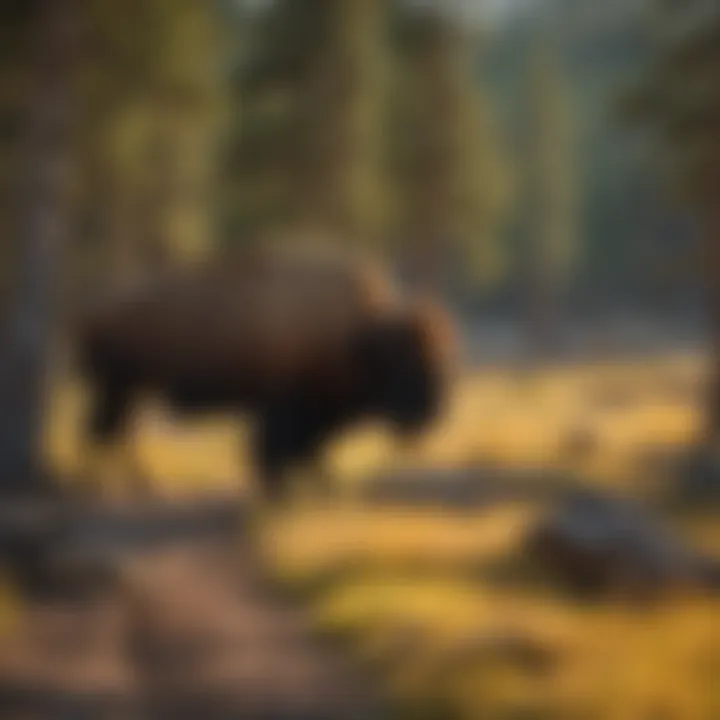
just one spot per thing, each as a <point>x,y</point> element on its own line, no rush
<point>188,631</point>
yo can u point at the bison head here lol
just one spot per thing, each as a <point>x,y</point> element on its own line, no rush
<point>405,359</point>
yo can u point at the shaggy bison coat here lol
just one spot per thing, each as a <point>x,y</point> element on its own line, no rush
<point>306,342</point>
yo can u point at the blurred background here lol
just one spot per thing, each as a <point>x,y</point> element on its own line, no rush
<point>550,170</point>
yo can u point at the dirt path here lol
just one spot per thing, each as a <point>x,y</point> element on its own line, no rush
<point>189,633</point>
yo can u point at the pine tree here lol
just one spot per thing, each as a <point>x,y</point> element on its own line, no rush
<point>550,201</point>
<point>308,150</point>
<point>153,98</point>
<point>678,101</point>
<point>450,178</point>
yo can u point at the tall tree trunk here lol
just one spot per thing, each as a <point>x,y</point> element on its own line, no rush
<point>357,100</point>
<point>43,187</point>
<point>438,62</point>
<point>342,98</point>
<point>711,261</point>
<point>549,195</point>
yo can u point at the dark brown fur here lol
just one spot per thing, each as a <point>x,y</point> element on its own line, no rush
<point>304,341</point>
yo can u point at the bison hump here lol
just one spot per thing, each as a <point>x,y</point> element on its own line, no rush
<point>269,313</point>
<point>293,313</point>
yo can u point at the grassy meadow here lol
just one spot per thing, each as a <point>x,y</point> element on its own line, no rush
<point>440,603</point>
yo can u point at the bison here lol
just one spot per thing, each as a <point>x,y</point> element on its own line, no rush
<point>303,341</point>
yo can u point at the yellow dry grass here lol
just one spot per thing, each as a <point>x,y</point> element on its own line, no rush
<point>496,416</point>
<point>414,592</point>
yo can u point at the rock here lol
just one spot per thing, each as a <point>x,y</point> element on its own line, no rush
<point>460,488</point>
<point>697,479</point>
<point>602,546</point>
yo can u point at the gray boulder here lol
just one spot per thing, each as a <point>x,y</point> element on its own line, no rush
<point>602,546</point>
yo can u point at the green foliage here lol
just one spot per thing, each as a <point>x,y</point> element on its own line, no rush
<point>550,169</point>
<point>622,215</point>
<point>450,172</point>
<point>307,149</point>
<point>153,98</point>
<point>678,100</point>
<point>366,118</point>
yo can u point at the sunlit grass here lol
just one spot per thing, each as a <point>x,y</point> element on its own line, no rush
<point>496,416</point>
<point>413,602</point>
<point>417,594</point>
<point>315,542</point>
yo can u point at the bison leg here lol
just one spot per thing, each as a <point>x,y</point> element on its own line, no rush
<point>289,432</point>
<point>107,429</point>
<point>281,439</point>
<point>102,427</point>
<point>271,461</point>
